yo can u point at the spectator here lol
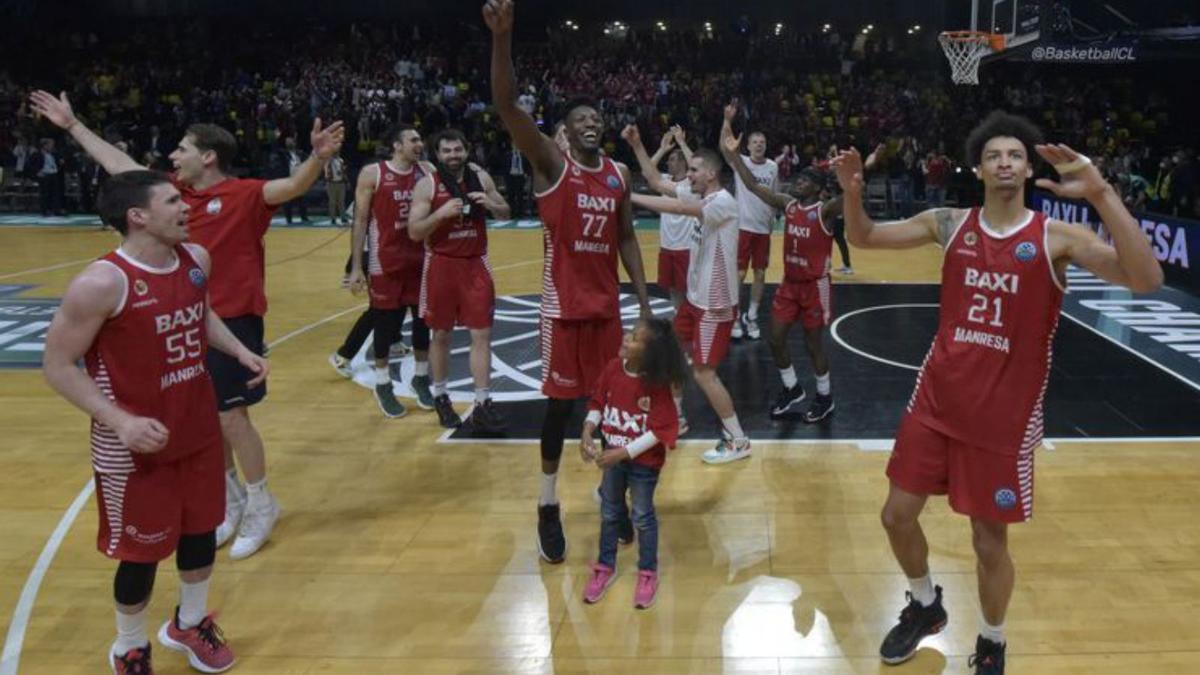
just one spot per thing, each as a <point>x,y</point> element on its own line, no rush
<point>47,166</point>
<point>335,189</point>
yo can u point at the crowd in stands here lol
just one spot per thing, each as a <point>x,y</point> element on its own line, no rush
<point>143,83</point>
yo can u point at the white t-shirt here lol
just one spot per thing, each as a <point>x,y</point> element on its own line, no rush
<point>712,272</point>
<point>675,231</point>
<point>755,215</point>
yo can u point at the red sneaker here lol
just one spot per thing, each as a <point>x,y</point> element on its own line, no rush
<point>647,589</point>
<point>133,662</point>
<point>204,644</point>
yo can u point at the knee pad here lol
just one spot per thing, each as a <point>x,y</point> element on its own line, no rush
<point>133,582</point>
<point>196,551</point>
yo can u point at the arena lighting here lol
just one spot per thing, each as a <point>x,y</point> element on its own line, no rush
<point>826,28</point>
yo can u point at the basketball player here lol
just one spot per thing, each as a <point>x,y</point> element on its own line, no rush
<point>587,218</point>
<point>449,214</point>
<point>976,414</point>
<point>705,321</point>
<point>674,231</point>
<point>755,219</point>
<point>140,321</point>
<point>382,200</point>
<point>227,216</point>
<point>806,292</point>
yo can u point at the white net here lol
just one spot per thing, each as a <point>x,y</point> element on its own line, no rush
<point>965,51</point>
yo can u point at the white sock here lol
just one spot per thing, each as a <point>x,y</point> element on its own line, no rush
<point>421,368</point>
<point>679,405</point>
<point>439,388</point>
<point>823,387</point>
<point>752,312</point>
<point>131,632</point>
<point>482,394</point>
<point>922,590</point>
<point>381,376</point>
<point>789,376</point>
<point>193,603</point>
<point>990,632</point>
<point>549,481</point>
<point>257,494</point>
<point>734,427</point>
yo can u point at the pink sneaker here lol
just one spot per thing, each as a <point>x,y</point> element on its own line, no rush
<point>647,589</point>
<point>132,662</point>
<point>602,578</point>
<point>204,644</point>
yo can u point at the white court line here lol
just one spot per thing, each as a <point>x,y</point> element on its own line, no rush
<point>833,332</point>
<point>21,613</point>
<point>16,629</point>
<point>47,268</point>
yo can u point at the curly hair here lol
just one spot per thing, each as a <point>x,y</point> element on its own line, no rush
<point>1000,123</point>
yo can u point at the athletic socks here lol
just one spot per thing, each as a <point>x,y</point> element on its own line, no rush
<point>482,394</point>
<point>989,632</point>
<point>789,377</point>
<point>257,495</point>
<point>193,603</point>
<point>823,387</point>
<point>549,482</point>
<point>381,376</point>
<point>922,590</point>
<point>421,368</point>
<point>439,388</point>
<point>752,312</point>
<point>734,427</point>
<point>131,632</point>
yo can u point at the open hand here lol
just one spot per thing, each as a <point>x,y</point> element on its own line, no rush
<point>57,110</point>
<point>498,15</point>
<point>328,141</point>
<point>1079,178</point>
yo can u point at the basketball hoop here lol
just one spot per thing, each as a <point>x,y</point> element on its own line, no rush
<point>965,49</point>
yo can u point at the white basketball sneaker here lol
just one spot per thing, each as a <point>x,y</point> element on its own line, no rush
<point>235,504</point>
<point>257,523</point>
<point>727,450</point>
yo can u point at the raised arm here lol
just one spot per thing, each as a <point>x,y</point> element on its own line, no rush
<point>729,150</point>
<point>326,143</point>
<point>59,112</point>
<point>541,151</point>
<point>364,194</point>
<point>664,146</point>
<point>90,299</point>
<point>926,227</point>
<point>658,204</point>
<point>681,140</point>
<point>422,220</point>
<point>629,249</point>
<point>647,165</point>
<point>1129,260</point>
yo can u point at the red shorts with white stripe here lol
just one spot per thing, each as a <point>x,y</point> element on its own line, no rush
<point>457,291</point>
<point>393,290</point>
<point>574,354</point>
<point>673,269</point>
<point>981,483</point>
<point>142,514</point>
<point>809,302</point>
<point>754,250</point>
<point>704,334</point>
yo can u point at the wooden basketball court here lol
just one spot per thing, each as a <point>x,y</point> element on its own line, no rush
<point>397,554</point>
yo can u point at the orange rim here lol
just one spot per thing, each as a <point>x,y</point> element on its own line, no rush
<point>994,40</point>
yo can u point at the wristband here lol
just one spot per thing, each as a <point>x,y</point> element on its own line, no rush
<point>641,444</point>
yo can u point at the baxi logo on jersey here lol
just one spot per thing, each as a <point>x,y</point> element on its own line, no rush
<point>1006,499</point>
<point>516,351</point>
<point>1026,251</point>
<point>213,207</point>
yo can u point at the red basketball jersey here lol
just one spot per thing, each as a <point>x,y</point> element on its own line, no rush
<point>580,213</point>
<point>464,237</point>
<point>229,220</point>
<point>149,359</point>
<point>984,379</point>
<point>629,408</point>
<point>807,243</point>
<point>390,249</point>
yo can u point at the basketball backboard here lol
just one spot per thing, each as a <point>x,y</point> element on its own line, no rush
<point>1019,21</point>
